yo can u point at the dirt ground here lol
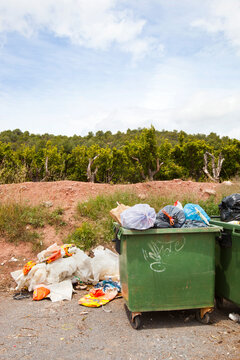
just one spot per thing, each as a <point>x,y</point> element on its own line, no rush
<point>66,330</point>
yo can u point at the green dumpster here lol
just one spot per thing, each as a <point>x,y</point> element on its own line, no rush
<point>167,269</point>
<point>228,262</point>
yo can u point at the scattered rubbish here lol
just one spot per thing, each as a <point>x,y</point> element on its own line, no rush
<point>40,292</point>
<point>81,287</point>
<point>58,274</point>
<point>234,222</point>
<point>234,317</point>
<point>98,297</point>
<point>139,217</point>
<point>83,312</point>
<point>47,204</point>
<point>28,266</point>
<point>13,259</point>
<point>21,295</point>
<point>61,291</point>
<point>101,294</point>
<point>106,310</point>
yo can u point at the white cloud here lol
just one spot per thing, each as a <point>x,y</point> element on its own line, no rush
<point>94,24</point>
<point>222,17</point>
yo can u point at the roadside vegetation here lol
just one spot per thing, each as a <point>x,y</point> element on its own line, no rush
<point>135,156</point>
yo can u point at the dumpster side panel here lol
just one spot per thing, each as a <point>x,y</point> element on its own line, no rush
<point>123,265</point>
<point>169,271</point>
<point>228,263</point>
<point>228,268</point>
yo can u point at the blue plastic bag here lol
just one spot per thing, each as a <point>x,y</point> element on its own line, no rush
<point>191,212</point>
<point>139,217</point>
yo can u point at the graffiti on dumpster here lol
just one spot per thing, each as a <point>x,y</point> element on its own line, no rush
<point>158,252</point>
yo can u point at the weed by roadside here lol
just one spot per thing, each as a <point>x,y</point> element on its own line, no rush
<point>19,222</point>
<point>83,237</point>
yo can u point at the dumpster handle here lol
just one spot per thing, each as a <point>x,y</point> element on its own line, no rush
<point>235,233</point>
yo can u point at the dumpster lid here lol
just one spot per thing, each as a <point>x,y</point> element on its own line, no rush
<point>224,224</point>
<point>153,231</point>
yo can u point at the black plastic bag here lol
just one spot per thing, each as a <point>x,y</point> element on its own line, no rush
<point>170,216</point>
<point>193,223</point>
<point>230,208</point>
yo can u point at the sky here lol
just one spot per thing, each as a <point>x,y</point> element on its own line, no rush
<point>74,66</point>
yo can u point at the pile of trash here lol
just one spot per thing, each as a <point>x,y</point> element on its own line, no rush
<point>58,267</point>
<point>142,216</point>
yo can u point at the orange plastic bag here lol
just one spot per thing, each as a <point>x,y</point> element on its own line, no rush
<point>40,293</point>
<point>56,255</point>
<point>28,266</point>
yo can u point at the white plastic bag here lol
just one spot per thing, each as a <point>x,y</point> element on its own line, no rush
<point>139,217</point>
<point>105,265</point>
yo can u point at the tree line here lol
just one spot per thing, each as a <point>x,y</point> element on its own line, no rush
<point>134,156</point>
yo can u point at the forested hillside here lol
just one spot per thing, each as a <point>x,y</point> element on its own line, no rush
<point>134,156</point>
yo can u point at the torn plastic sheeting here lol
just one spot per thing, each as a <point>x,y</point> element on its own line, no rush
<point>61,291</point>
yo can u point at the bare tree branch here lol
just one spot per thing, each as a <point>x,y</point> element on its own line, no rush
<point>152,173</point>
<point>215,170</point>
<point>47,172</point>
<point>91,175</point>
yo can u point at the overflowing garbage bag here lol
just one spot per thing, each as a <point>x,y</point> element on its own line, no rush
<point>196,212</point>
<point>230,208</point>
<point>139,217</point>
<point>143,217</point>
<point>170,216</point>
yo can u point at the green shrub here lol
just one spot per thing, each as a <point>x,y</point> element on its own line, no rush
<point>83,237</point>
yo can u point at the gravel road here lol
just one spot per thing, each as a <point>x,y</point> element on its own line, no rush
<point>66,330</point>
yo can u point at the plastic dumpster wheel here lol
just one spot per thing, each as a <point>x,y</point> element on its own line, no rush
<point>205,319</point>
<point>136,321</point>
